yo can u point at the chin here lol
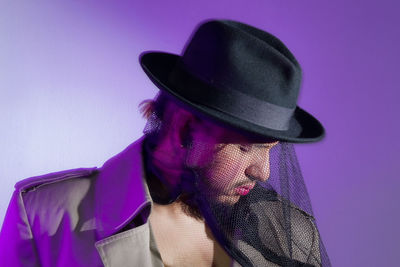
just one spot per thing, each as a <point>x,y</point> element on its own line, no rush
<point>229,200</point>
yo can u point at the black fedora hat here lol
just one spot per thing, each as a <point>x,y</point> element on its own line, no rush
<point>239,75</point>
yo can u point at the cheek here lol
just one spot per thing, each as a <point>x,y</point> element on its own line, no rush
<point>224,171</point>
<point>199,156</point>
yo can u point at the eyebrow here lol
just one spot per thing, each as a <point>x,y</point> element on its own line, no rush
<point>267,144</point>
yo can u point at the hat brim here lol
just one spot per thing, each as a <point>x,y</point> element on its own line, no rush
<point>303,127</point>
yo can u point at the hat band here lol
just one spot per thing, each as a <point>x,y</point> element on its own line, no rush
<point>231,102</point>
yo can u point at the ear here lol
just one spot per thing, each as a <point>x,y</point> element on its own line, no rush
<point>176,135</point>
<point>170,152</point>
<point>182,129</point>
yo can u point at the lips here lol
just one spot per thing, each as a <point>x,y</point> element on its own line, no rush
<point>244,189</point>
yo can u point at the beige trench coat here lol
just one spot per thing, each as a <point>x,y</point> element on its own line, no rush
<point>81,217</point>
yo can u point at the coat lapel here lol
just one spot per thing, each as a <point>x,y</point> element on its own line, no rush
<point>120,191</point>
<point>120,195</point>
<point>134,247</point>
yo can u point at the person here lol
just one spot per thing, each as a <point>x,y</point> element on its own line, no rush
<point>214,181</point>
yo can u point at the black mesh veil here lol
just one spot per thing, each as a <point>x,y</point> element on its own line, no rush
<point>249,191</point>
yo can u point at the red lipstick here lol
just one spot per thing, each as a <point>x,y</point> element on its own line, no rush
<point>244,189</point>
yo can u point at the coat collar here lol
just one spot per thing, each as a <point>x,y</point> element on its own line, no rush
<point>120,191</point>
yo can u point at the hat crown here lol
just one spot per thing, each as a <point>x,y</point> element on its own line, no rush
<point>230,55</point>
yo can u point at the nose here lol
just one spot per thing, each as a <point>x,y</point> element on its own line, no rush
<point>258,168</point>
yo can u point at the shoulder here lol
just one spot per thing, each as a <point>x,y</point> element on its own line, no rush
<point>32,183</point>
<point>56,189</point>
<point>49,199</point>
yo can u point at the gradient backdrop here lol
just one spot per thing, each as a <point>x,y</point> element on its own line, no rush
<point>70,84</point>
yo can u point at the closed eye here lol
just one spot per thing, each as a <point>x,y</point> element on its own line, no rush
<point>267,145</point>
<point>244,148</point>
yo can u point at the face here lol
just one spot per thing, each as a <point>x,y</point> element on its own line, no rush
<point>229,164</point>
<point>236,168</point>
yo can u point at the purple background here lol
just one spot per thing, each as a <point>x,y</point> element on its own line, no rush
<point>70,84</point>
